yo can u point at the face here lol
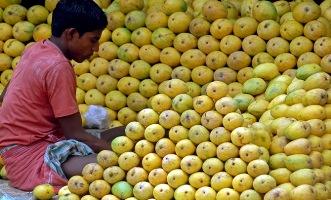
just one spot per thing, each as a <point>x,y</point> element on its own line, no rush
<point>81,47</point>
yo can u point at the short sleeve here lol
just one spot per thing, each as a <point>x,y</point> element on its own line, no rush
<point>61,89</point>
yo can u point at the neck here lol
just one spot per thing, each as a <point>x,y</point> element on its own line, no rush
<point>60,44</point>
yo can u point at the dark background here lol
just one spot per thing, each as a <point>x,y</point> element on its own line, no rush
<point>29,3</point>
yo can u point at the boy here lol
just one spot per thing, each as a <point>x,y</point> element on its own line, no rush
<point>41,136</point>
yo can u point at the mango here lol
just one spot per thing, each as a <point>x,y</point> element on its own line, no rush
<point>319,175</point>
<point>316,159</point>
<point>3,173</point>
<point>295,97</point>
<point>266,71</point>
<point>327,157</point>
<point>278,143</point>
<point>318,80</point>
<point>307,70</point>
<point>264,183</point>
<point>315,96</point>
<point>303,176</point>
<point>315,143</point>
<point>303,192</point>
<point>14,13</point>
<point>328,187</point>
<point>287,186</point>
<point>264,10</point>
<point>284,78</point>
<point>279,125</point>
<point>313,112</point>
<point>254,86</point>
<point>298,129</point>
<point>279,111</point>
<point>277,100</point>
<point>295,85</point>
<point>275,89</point>
<point>321,191</point>
<point>258,107</point>
<point>326,141</point>
<point>261,136</point>
<point>277,194</point>
<point>327,172</point>
<point>281,175</point>
<point>298,161</point>
<point>243,101</point>
<point>277,161</point>
<point>298,146</point>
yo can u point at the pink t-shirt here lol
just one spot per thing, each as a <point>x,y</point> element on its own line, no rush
<point>42,89</point>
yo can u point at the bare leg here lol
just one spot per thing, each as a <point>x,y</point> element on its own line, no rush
<point>74,165</point>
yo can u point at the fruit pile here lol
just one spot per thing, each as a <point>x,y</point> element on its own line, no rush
<point>220,99</point>
<point>19,27</point>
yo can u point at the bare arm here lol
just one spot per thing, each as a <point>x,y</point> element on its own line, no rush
<point>72,129</point>
<point>110,134</point>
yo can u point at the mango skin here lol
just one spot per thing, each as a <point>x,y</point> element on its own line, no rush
<point>298,161</point>
<point>298,146</point>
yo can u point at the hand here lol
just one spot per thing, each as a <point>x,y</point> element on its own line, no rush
<point>72,129</point>
<point>110,134</point>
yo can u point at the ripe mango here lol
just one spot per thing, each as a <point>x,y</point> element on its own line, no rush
<point>317,80</point>
<point>326,141</point>
<point>298,129</point>
<point>303,176</point>
<point>266,71</point>
<point>307,70</point>
<point>254,86</point>
<point>317,159</point>
<point>315,143</point>
<point>313,112</point>
<point>327,172</point>
<point>3,173</point>
<point>281,175</point>
<point>295,97</point>
<point>280,124</point>
<point>298,146</point>
<point>327,157</point>
<point>279,111</point>
<point>261,135</point>
<point>277,161</point>
<point>303,192</point>
<point>295,85</point>
<point>315,96</point>
<point>298,161</point>
<point>319,175</point>
<point>284,78</point>
<point>287,186</point>
<point>292,111</point>
<point>278,143</point>
<point>243,101</point>
<point>264,10</point>
<point>275,89</point>
<point>277,100</point>
<point>258,107</point>
<point>321,191</point>
<point>43,191</point>
<point>277,194</point>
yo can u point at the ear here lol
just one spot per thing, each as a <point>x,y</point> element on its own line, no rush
<point>71,34</point>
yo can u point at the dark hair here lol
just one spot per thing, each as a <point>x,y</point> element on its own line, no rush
<point>83,15</point>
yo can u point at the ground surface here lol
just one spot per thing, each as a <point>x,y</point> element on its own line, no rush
<point>9,193</point>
